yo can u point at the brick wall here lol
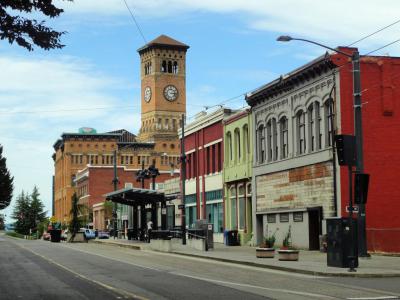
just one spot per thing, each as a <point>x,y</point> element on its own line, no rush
<point>308,186</point>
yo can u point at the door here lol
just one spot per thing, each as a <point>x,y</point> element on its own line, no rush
<point>314,227</point>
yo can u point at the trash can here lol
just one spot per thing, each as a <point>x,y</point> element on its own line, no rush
<point>232,238</point>
<point>55,235</point>
<point>130,233</point>
<point>341,242</point>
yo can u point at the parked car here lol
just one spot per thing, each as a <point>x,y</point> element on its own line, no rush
<point>89,233</point>
<point>46,236</point>
<point>103,235</point>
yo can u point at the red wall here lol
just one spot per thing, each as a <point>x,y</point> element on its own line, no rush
<point>100,182</point>
<point>380,85</point>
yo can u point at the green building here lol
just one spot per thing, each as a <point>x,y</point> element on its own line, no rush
<point>238,160</point>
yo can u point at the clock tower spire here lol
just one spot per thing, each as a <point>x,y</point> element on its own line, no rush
<point>163,85</point>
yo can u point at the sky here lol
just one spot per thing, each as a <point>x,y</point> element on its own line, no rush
<point>94,80</point>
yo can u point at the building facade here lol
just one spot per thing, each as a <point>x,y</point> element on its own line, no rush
<point>163,102</point>
<point>204,182</point>
<point>237,174</point>
<point>297,181</point>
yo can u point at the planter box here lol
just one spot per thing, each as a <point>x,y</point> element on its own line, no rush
<point>288,255</point>
<point>265,252</point>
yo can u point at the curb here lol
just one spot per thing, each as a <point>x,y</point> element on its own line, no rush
<point>135,247</point>
<point>253,264</point>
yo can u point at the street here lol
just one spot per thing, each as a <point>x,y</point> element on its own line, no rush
<point>44,270</point>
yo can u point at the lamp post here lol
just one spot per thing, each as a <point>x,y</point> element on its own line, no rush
<point>355,58</point>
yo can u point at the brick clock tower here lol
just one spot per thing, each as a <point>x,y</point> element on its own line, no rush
<point>163,98</point>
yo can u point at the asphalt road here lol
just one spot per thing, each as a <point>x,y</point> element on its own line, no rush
<point>44,270</point>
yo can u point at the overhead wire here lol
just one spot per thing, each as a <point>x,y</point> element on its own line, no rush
<point>135,21</point>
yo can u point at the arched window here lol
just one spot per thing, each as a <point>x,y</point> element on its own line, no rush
<point>301,132</point>
<point>329,117</point>
<point>169,67</point>
<point>311,127</point>
<point>274,139</point>
<point>245,141</point>
<point>284,137</point>
<point>175,68</point>
<point>164,66</point>
<point>229,153</point>
<point>237,144</point>
<point>318,126</point>
<point>269,141</point>
<point>261,144</point>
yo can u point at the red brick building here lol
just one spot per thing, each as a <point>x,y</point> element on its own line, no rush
<point>93,182</point>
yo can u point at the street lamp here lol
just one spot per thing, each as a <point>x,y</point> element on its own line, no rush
<point>355,58</point>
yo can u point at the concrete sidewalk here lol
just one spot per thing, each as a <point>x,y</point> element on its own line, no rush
<point>310,262</point>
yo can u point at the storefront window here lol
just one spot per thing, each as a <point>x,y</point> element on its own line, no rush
<point>233,207</point>
<point>242,208</point>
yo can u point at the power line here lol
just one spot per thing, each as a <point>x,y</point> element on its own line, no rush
<point>136,23</point>
<point>380,48</point>
<point>371,34</point>
<point>63,110</point>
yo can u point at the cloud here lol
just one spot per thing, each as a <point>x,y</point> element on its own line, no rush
<point>42,97</point>
<point>337,22</point>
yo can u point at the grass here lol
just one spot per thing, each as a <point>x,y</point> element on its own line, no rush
<point>15,234</point>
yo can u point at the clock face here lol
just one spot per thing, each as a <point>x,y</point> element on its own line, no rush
<point>170,93</point>
<point>147,94</point>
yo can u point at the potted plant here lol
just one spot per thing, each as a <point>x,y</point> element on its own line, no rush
<point>266,249</point>
<point>287,252</point>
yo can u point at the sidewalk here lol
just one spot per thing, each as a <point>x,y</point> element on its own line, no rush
<point>310,262</point>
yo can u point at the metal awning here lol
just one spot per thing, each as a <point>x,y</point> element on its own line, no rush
<point>135,196</point>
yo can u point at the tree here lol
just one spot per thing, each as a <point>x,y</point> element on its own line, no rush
<point>20,213</point>
<point>75,224</point>
<point>6,182</point>
<point>28,212</point>
<point>27,32</point>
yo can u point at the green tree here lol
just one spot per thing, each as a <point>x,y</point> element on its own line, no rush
<point>20,213</point>
<point>29,212</point>
<point>75,223</point>
<point>6,182</point>
<point>27,32</point>
<point>1,222</point>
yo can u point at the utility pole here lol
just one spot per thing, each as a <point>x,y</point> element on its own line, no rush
<point>115,183</point>
<point>183,178</point>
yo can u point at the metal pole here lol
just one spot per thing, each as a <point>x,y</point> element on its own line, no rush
<point>183,178</point>
<point>361,220</point>
<point>353,254</point>
<point>115,182</point>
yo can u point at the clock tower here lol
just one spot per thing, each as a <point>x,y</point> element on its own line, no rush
<point>163,85</point>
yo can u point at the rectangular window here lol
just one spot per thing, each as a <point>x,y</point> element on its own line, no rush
<point>213,158</point>
<point>284,137</point>
<point>298,216</point>
<point>284,217</point>
<point>271,218</point>
<point>269,141</point>
<point>219,157</point>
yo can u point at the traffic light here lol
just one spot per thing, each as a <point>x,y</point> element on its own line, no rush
<point>361,182</point>
<point>345,146</point>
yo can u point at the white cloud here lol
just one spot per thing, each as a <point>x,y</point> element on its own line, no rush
<point>336,22</point>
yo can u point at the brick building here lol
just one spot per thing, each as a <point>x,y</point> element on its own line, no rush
<point>163,102</point>
<point>204,182</point>
<point>296,179</point>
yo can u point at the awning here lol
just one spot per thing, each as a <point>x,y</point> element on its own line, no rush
<point>136,196</point>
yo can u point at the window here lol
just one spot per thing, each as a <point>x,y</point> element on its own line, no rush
<point>311,125</point>
<point>298,216</point>
<point>164,66</point>
<point>261,144</point>
<point>269,141</point>
<point>173,124</point>
<point>175,68</point>
<point>215,216</point>
<point>245,141</point>
<point>233,207</point>
<point>271,218</point>
<point>284,217</point>
<point>301,132</point>
<point>274,139</point>
<point>237,144</point>
<point>213,159</point>
<point>169,67</point>
<point>229,146</point>
<point>284,137</point>
<point>170,216</point>
<point>242,207</point>
<point>318,126</point>
<point>329,117</point>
